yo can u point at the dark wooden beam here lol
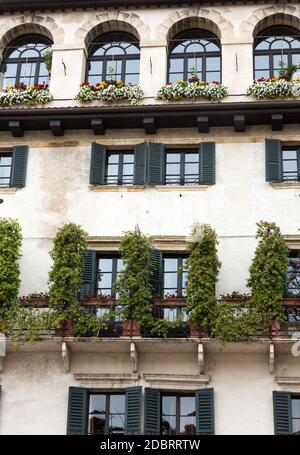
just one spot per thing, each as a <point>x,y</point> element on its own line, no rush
<point>98,126</point>
<point>277,122</point>
<point>203,123</point>
<point>56,127</point>
<point>149,125</point>
<point>239,123</point>
<point>16,128</point>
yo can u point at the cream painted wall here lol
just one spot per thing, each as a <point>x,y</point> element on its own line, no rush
<point>57,191</point>
<point>35,382</point>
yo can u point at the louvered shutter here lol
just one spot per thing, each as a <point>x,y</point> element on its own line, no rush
<point>77,411</point>
<point>156,163</point>
<point>19,166</point>
<point>155,271</point>
<point>273,160</point>
<point>98,162</point>
<point>133,410</point>
<point>205,419</point>
<point>282,409</point>
<point>152,412</point>
<point>207,163</point>
<point>140,164</point>
<point>89,273</point>
<point>298,163</point>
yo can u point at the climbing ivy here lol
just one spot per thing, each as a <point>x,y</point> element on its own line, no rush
<point>268,274</point>
<point>10,254</point>
<point>202,274</point>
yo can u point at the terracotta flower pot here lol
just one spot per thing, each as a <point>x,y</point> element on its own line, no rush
<point>131,328</point>
<point>198,332</point>
<point>275,329</point>
<point>65,329</point>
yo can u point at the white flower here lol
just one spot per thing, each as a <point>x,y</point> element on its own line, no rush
<point>110,93</point>
<point>192,90</point>
<point>279,88</point>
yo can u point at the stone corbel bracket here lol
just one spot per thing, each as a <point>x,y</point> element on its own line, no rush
<point>2,351</point>
<point>201,358</point>
<point>272,357</point>
<point>66,356</point>
<point>133,357</point>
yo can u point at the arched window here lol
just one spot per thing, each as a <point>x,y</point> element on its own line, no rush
<point>273,45</point>
<point>24,62</point>
<point>114,56</point>
<point>194,51</point>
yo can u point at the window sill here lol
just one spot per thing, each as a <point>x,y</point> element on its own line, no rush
<point>120,188</point>
<point>8,190</point>
<point>181,187</point>
<point>285,185</point>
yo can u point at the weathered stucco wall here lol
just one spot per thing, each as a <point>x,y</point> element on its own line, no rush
<point>35,387</point>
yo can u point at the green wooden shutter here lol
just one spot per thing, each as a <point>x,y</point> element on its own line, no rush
<point>156,163</point>
<point>77,411</point>
<point>298,163</point>
<point>205,418</point>
<point>89,273</point>
<point>19,166</point>
<point>273,160</point>
<point>282,409</point>
<point>155,271</point>
<point>133,410</point>
<point>207,163</point>
<point>152,412</point>
<point>98,162</point>
<point>140,164</point>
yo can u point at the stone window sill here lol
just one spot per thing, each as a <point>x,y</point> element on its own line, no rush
<point>8,190</point>
<point>285,185</point>
<point>133,188</point>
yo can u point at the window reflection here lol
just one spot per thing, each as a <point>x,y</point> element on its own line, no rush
<point>106,414</point>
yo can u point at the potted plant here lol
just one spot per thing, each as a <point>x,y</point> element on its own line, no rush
<point>39,299</point>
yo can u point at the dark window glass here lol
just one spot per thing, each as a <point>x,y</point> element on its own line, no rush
<point>182,167</point>
<point>106,414</point>
<point>119,168</point>
<point>273,45</point>
<point>108,270</point>
<point>296,415</point>
<point>293,272</point>
<point>5,169</point>
<point>174,280</point>
<point>195,52</point>
<point>289,163</point>
<point>178,414</point>
<point>114,56</point>
<point>24,61</point>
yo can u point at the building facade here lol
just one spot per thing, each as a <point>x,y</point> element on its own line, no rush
<point>228,162</point>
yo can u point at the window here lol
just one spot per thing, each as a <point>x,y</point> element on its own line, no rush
<point>171,314</point>
<point>114,56</point>
<point>106,413</point>
<point>182,167</point>
<point>24,62</point>
<point>273,45</point>
<point>296,414</point>
<point>120,168</point>
<point>178,414</point>
<point>5,169</point>
<point>290,163</point>
<point>293,271</point>
<point>174,280</point>
<point>108,269</point>
<point>195,52</point>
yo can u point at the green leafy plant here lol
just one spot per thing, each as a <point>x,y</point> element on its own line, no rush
<point>287,71</point>
<point>48,56</point>
<point>10,254</point>
<point>133,288</point>
<point>202,274</point>
<point>235,322</point>
<point>268,275</point>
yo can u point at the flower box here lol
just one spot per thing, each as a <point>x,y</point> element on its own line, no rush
<point>23,94</point>
<point>169,302</point>
<point>192,90</point>
<point>291,301</point>
<point>274,87</point>
<point>37,299</point>
<point>110,91</point>
<point>103,301</point>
